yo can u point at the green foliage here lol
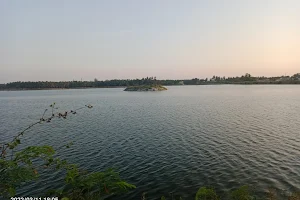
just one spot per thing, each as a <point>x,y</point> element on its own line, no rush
<point>28,154</point>
<point>242,193</point>
<point>22,166</point>
<point>83,185</point>
<point>206,194</point>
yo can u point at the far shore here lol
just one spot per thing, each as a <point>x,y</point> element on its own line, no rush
<point>26,89</point>
<point>32,89</point>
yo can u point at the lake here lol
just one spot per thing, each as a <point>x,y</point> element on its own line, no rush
<point>173,141</point>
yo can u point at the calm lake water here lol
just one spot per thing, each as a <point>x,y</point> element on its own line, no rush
<point>171,141</point>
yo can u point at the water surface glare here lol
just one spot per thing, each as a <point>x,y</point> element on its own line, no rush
<point>171,141</point>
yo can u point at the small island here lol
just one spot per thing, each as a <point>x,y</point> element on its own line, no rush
<point>146,88</point>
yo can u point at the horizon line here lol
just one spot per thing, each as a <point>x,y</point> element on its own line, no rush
<point>81,80</point>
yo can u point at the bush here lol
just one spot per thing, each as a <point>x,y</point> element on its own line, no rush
<point>21,166</point>
<point>206,194</point>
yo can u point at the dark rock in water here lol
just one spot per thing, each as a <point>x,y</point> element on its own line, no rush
<point>146,88</point>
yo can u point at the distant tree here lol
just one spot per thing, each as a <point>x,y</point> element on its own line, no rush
<point>247,75</point>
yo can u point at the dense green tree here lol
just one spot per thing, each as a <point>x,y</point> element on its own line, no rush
<point>244,79</point>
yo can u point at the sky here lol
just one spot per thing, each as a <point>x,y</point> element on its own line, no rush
<point>171,39</point>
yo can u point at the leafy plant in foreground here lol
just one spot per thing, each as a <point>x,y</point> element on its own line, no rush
<point>21,166</point>
<point>206,194</point>
<point>241,193</point>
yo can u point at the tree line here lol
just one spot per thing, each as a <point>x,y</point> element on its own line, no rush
<point>88,84</point>
<point>244,79</point>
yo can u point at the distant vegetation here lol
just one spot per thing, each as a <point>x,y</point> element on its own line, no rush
<point>245,79</point>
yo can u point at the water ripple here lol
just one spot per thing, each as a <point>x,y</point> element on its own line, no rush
<point>174,141</point>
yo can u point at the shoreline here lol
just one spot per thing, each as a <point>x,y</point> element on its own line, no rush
<point>37,89</point>
<point>33,89</point>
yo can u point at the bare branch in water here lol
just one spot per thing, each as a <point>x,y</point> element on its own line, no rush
<point>53,115</point>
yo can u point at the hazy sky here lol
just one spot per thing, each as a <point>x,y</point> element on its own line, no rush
<point>66,40</point>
